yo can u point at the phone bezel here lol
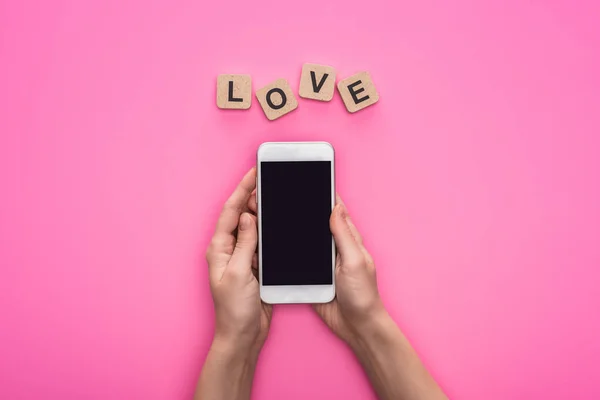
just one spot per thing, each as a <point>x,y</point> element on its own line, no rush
<point>295,151</point>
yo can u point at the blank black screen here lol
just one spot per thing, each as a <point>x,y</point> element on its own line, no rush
<point>295,206</point>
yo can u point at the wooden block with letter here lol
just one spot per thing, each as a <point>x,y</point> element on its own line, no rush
<point>234,92</point>
<point>277,99</point>
<point>317,82</point>
<point>358,92</point>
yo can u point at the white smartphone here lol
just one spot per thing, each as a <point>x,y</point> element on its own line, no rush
<point>295,196</point>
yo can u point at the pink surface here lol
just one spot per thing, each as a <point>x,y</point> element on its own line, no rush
<point>475,180</point>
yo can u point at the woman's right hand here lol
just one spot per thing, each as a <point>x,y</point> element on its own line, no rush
<point>358,317</point>
<point>357,305</point>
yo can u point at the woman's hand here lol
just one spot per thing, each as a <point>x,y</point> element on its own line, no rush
<point>241,317</point>
<point>358,317</point>
<point>357,304</point>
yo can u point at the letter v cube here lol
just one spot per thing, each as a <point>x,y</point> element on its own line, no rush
<point>317,82</point>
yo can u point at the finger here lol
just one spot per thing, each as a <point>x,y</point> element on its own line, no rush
<point>353,230</point>
<point>355,233</point>
<point>255,266</point>
<point>255,255</point>
<point>234,206</point>
<point>254,218</point>
<point>245,247</point>
<point>348,248</point>
<point>252,206</point>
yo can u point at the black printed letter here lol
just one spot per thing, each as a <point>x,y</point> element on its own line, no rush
<point>313,77</point>
<point>230,96</point>
<point>283,98</point>
<point>353,92</point>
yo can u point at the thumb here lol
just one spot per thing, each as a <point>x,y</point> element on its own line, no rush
<point>247,238</point>
<point>346,243</point>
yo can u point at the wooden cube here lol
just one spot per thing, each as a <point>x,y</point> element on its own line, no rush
<point>277,99</point>
<point>358,92</point>
<point>234,92</point>
<point>317,82</point>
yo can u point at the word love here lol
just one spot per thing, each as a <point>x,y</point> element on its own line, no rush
<point>317,82</point>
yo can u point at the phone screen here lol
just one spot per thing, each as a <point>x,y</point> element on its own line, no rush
<point>295,210</point>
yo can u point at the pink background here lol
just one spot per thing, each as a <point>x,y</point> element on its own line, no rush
<point>475,181</point>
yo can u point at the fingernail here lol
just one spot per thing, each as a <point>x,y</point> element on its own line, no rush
<point>244,222</point>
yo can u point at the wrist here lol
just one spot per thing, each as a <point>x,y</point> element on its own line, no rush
<point>228,370</point>
<point>234,349</point>
<point>379,330</point>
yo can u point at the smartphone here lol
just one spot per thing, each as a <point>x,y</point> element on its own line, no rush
<point>295,196</point>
